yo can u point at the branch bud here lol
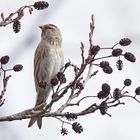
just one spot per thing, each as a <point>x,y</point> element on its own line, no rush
<point>103,108</point>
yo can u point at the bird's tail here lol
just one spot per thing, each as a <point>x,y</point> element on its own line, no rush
<point>35,119</point>
<point>41,98</point>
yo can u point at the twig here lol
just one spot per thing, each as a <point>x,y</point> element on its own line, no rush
<point>108,56</point>
<point>18,15</point>
<point>78,103</point>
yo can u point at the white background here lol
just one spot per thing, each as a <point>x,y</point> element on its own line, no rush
<point>113,21</point>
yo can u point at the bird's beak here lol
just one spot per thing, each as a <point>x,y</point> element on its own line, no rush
<point>42,27</point>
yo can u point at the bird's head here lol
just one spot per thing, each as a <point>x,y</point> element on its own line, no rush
<point>51,33</point>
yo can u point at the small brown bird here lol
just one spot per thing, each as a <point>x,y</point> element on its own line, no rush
<point>48,61</point>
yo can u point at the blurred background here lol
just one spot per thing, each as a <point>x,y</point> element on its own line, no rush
<point>113,20</point>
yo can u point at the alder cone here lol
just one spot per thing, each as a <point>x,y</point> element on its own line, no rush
<point>16,26</point>
<point>4,59</point>
<point>40,5</point>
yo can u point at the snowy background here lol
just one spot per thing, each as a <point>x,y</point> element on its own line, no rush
<point>113,21</point>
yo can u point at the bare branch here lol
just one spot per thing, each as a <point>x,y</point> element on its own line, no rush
<point>19,13</point>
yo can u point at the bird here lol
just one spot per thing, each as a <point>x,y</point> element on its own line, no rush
<point>48,61</point>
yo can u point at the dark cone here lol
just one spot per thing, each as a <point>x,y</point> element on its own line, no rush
<point>40,5</point>
<point>119,64</point>
<point>125,42</point>
<point>104,64</point>
<point>17,68</point>
<point>116,52</point>
<point>130,57</point>
<point>137,91</point>
<point>77,127</point>
<point>16,26</point>
<point>127,82</point>
<point>4,59</point>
